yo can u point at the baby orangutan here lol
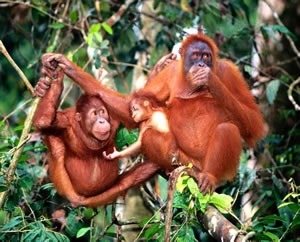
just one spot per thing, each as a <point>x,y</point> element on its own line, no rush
<point>151,117</point>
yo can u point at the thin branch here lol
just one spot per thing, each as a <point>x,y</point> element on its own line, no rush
<point>13,165</point>
<point>116,17</point>
<point>275,15</point>
<point>216,224</point>
<point>9,176</point>
<point>172,183</point>
<point>291,88</point>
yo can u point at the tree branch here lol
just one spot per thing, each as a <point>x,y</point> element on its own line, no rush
<point>116,17</point>
<point>216,224</point>
<point>291,87</point>
<point>27,126</point>
<point>275,15</point>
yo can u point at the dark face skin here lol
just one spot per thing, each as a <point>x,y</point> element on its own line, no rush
<point>198,62</point>
<point>95,120</point>
<point>197,54</point>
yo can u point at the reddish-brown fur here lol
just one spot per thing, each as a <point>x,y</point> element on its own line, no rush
<point>209,125</point>
<point>208,122</point>
<point>76,164</point>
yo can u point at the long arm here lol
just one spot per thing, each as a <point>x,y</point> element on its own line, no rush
<point>136,176</point>
<point>130,150</point>
<point>117,103</point>
<point>230,89</point>
<point>58,170</point>
<point>50,93</point>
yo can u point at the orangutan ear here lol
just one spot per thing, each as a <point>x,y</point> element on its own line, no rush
<point>180,51</point>
<point>77,116</point>
<point>146,103</point>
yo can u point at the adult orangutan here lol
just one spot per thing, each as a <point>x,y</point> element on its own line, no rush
<point>209,104</point>
<point>76,139</point>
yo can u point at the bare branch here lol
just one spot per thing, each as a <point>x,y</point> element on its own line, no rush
<point>9,176</point>
<point>216,224</point>
<point>291,87</point>
<point>116,17</point>
<point>275,15</point>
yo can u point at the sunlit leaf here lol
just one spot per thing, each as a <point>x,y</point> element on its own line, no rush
<point>181,183</point>
<point>107,28</point>
<point>272,89</point>
<point>81,232</point>
<point>271,236</point>
<point>57,25</point>
<point>95,28</point>
<point>222,202</point>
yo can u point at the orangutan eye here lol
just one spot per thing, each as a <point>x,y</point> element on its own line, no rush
<point>205,56</point>
<point>93,113</point>
<point>195,55</point>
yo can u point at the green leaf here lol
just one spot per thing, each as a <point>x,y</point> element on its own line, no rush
<point>57,25</point>
<point>248,69</point>
<point>271,236</point>
<point>95,28</point>
<point>107,28</point>
<point>271,219</point>
<point>221,201</point>
<point>181,183</point>
<point>89,39</point>
<point>98,38</point>
<point>282,29</point>
<point>105,52</point>
<point>285,204</point>
<point>20,127</point>
<point>3,188</point>
<point>193,187</point>
<point>104,44</point>
<point>73,225</point>
<point>81,232</point>
<point>73,16</point>
<point>125,137</point>
<point>12,224</point>
<point>185,234</point>
<point>26,182</point>
<point>150,232</point>
<point>30,236</point>
<point>272,89</point>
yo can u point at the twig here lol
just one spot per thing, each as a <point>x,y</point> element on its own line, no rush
<point>172,183</point>
<point>275,15</point>
<point>13,165</point>
<point>27,126</point>
<point>116,17</point>
<point>215,223</point>
<point>291,87</point>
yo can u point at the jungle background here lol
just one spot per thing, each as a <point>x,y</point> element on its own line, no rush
<point>118,42</point>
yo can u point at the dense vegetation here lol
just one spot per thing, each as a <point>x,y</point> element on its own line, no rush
<point>262,40</point>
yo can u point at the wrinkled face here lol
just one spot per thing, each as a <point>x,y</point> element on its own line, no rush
<point>198,61</point>
<point>138,111</point>
<point>95,120</point>
<point>197,55</point>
